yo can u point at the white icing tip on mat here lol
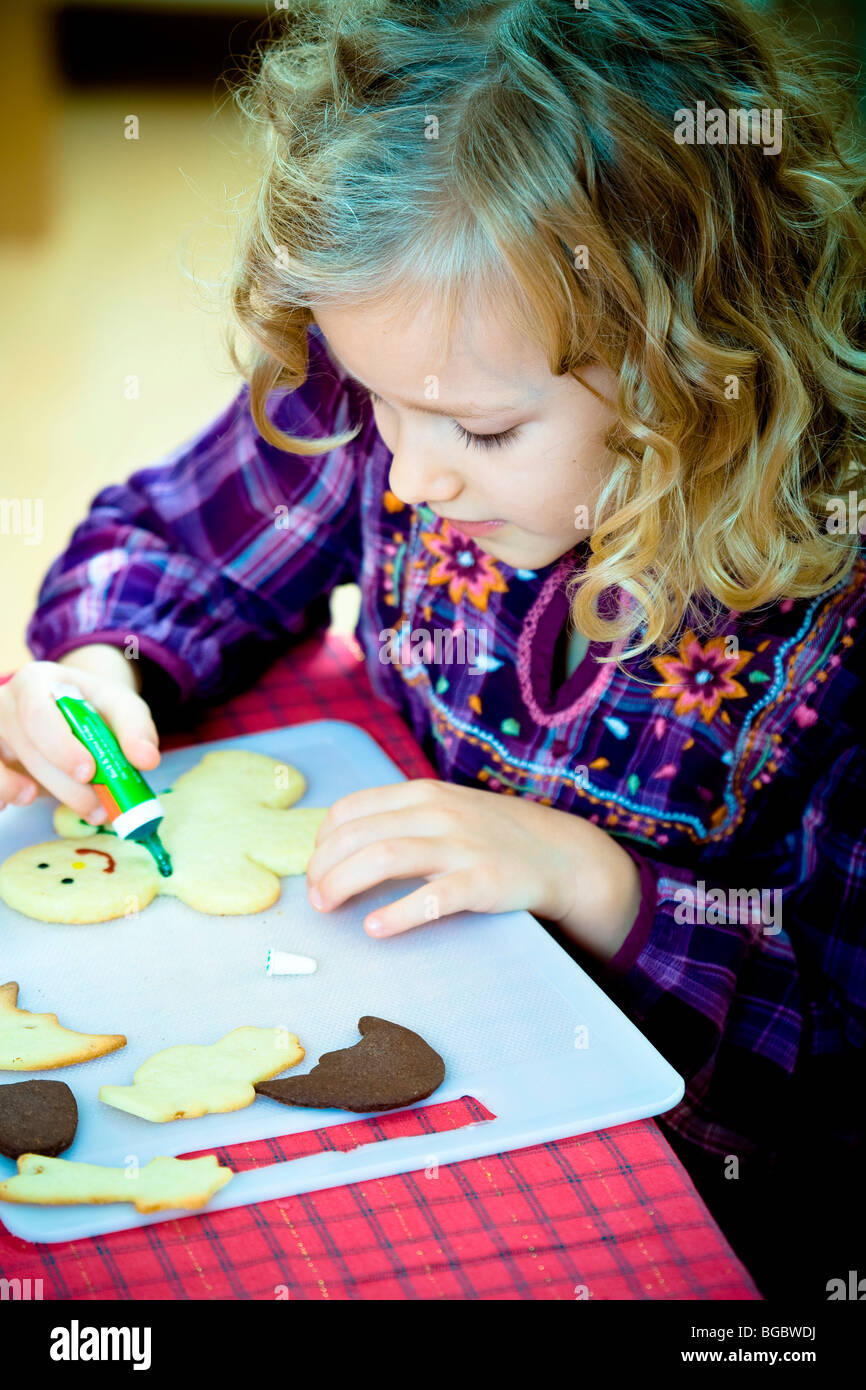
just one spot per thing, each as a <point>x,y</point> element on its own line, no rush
<point>284,963</point>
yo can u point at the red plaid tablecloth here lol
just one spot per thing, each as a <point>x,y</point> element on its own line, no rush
<point>612,1215</point>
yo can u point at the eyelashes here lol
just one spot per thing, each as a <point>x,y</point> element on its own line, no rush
<point>485,441</point>
<point>478,441</point>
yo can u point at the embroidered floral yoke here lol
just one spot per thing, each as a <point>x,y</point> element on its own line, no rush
<point>732,770</point>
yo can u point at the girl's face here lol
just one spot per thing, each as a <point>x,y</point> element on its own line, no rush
<point>536,456</point>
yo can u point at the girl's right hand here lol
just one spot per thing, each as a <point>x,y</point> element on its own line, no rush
<point>39,750</point>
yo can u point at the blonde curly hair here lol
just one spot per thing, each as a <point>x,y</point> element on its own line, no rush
<point>724,287</point>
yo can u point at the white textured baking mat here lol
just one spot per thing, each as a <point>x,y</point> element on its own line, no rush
<point>519,1025</point>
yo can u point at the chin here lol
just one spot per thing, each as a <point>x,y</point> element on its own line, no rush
<point>534,557</point>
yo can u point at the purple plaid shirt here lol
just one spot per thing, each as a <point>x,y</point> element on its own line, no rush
<point>731,770</point>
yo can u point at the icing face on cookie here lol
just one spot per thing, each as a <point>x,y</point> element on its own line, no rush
<point>65,881</point>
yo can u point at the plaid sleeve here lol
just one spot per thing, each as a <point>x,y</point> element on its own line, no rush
<point>215,559</point>
<point>760,997</point>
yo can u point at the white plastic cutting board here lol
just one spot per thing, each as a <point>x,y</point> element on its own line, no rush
<point>494,995</point>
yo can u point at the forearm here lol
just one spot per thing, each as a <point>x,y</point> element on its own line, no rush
<point>606,904</point>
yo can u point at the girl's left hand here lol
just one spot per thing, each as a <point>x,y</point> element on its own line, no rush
<point>485,852</point>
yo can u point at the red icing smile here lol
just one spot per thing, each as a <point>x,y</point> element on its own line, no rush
<point>109,867</point>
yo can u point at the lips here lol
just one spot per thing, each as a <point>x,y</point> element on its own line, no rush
<point>473,528</point>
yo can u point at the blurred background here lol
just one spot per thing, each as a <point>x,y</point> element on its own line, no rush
<point>113,250</point>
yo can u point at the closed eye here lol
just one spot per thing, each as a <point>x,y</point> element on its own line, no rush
<point>485,441</point>
<point>480,441</point>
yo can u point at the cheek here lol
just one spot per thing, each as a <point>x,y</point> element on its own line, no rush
<point>578,467</point>
<point>547,485</point>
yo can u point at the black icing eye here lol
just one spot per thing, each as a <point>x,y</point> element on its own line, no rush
<point>42,866</point>
<point>67,880</point>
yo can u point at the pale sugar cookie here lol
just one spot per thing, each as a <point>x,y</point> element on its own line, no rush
<point>37,1042</point>
<point>183,1082</point>
<point>163,1184</point>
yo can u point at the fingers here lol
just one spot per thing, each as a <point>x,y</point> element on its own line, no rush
<point>394,796</point>
<point>43,725</point>
<point>42,731</point>
<point>48,749</point>
<point>38,741</point>
<point>129,719</point>
<point>16,788</point>
<point>68,790</point>
<point>403,858</point>
<point>454,892</point>
<point>366,838</point>
<point>26,704</point>
<point>354,834</point>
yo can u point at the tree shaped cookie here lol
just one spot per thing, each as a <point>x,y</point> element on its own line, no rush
<point>183,1082</point>
<point>37,1042</point>
<point>227,827</point>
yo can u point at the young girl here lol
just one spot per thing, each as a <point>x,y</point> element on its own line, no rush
<point>561,358</point>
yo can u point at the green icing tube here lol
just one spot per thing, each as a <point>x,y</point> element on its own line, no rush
<point>133,810</point>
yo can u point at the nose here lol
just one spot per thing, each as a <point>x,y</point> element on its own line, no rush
<point>417,475</point>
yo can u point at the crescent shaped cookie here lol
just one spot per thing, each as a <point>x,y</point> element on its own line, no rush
<point>37,1042</point>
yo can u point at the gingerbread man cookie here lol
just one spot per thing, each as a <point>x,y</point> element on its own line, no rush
<point>227,827</point>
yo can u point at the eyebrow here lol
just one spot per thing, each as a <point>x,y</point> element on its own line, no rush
<point>472,411</point>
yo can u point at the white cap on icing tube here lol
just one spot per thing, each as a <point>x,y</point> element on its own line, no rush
<point>284,963</point>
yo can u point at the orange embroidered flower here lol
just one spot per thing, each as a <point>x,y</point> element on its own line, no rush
<point>700,677</point>
<point>465,569</point>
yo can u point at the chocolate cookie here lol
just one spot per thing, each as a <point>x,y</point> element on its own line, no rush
<point>391,1066</point>
<point>37,1117</point>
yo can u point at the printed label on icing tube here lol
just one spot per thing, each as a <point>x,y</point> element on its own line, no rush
<point>119,785</point>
